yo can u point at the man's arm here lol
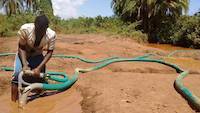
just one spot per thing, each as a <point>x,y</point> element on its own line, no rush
<point>45,60</point>
<point>22,53</point>
<point>48,55</point>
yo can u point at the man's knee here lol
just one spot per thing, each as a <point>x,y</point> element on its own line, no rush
<point>15,75</point>
<point>16,72</point>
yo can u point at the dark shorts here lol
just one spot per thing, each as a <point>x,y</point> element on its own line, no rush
<point>33,63</point>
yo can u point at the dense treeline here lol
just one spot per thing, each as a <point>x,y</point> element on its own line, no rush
<point>81,25</point>
<point>153,20</point>
<point>164,21</point>
<point>151,14</point>
<point>186,32</point>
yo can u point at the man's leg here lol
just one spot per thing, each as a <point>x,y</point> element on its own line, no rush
<point>14,84</point>
<point>14,92</point>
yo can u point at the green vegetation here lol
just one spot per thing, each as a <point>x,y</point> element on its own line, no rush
<point>186,32</point>
<point>162,20</point>
<point>13,7</point>
<point>151,13</point>
<point>46,7</point>
<point>158,21</point>
<point>105,25</point>
<point>10,25</point>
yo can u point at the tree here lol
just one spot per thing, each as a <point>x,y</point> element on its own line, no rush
<point>151,13</point>
<point>40,5</point>
<point>33,6</point>
<point>46,7</point>
<point>11,6</point>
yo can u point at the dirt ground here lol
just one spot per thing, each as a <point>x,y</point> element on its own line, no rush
<point>127,87</point>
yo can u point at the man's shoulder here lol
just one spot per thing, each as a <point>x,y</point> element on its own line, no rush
<point>51,33</point>
<point>26,29</point>
<point>27,26</point>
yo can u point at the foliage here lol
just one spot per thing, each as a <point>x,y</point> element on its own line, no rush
<point>46,7</point>
<point>106,25</point>
<point>9,25</point>
<point>151,13</point>
<point>187,32</point>
<point>160,19</point>
<point>13,7</point>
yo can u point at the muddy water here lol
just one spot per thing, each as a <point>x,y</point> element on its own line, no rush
<point>167,47</point>
<point>65,102</point>
<point>186,63</point>
<point>189,63</point>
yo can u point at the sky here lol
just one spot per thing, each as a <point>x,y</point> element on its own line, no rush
<point>194,6</point>
<point>75,8</point>
<point>91,8</point>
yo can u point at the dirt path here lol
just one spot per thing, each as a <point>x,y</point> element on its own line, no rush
<point>117,88</point>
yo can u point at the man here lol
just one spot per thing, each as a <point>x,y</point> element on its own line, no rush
<point>33,39</point>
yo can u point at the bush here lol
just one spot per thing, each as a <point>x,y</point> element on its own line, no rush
<point>10,25</point>
<point>184,32</point>
<point>106,25</point>
<point>187,32</point>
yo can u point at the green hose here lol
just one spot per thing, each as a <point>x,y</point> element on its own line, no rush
<point>185,92</point>
<point>134,60</point>
<point>54,76</point>
<point>51,75</point>
<point>65,82</point>
<point>83,59</point>
<point>74,78</point>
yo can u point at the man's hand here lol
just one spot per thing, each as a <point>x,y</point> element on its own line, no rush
<point>36,72</point>
<point>26,68</point>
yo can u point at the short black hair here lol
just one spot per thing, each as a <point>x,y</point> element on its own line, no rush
<point>41,22</point>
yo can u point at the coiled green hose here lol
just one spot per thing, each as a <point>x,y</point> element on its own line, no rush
<point>65,82</point>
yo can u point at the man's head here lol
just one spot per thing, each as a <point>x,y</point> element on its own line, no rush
<point>41,24</point>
